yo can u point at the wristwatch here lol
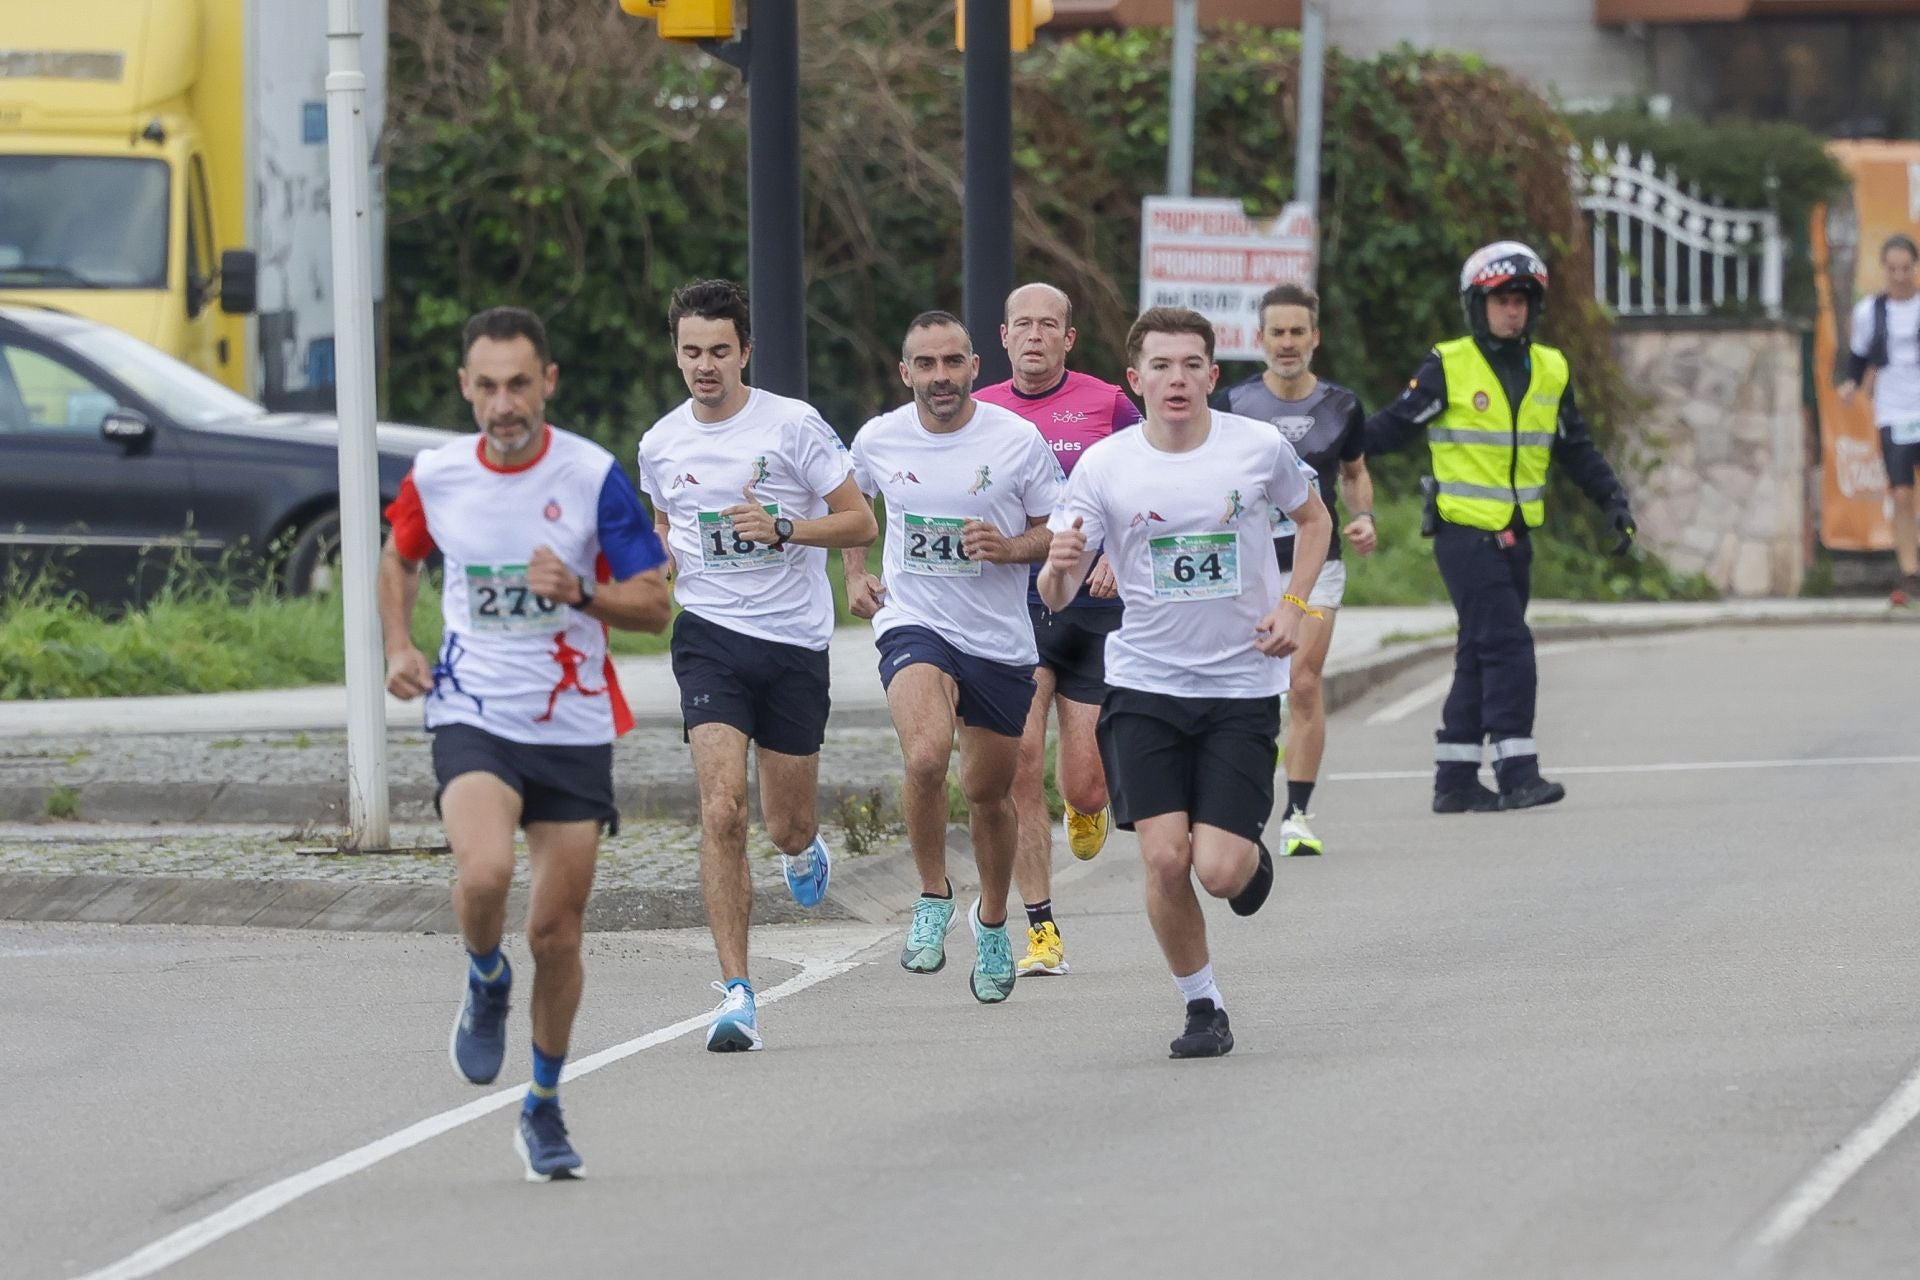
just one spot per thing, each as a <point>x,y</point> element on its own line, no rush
<point>782,530</point>
<point>586,593</point>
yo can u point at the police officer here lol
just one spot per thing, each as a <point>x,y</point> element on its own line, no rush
<point>1496,408</point>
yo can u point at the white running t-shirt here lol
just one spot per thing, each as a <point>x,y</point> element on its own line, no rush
<point>1189,538</point>
<point>691,471</point>
<point>998,469</point>
<point>1896,388</point>
<point>518,666</point>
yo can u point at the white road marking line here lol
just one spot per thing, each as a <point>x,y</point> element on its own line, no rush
<point>1433,691</point>
<point>250,1209</point>
<point>1828,762</point>
<point>1832,1173</point>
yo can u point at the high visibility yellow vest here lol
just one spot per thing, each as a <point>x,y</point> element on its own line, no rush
<point>1487,458</point>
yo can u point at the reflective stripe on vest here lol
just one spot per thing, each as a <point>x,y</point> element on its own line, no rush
<point>1487,458</point>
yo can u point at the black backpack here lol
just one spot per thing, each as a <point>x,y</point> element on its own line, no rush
<point>1877,348</point>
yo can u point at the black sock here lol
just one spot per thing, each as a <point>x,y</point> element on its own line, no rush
<point>1298,794</point>
<point>1039,913</point>
<point>942,896</point>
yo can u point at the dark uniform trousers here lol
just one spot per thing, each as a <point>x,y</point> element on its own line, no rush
<point>1494,678</point>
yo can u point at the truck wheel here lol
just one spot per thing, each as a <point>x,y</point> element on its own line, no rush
<point>313,565</point>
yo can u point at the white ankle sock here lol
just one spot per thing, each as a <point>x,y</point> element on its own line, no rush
<point>1199,986</point>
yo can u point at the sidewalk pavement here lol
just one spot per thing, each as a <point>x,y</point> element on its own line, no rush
<point>1363,638</point>
<point>279,758</point>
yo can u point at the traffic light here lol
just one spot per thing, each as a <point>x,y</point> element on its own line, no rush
<point>686,19</point>
<point>1026,15</point>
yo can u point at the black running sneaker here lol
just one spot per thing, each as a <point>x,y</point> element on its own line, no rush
<point>1254,896</point>
<point>542,1143</point>
<point>1473,799</point>
<point>1207,1034</point>
<point>1529,794</point>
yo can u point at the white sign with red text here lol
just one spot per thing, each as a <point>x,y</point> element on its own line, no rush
<point>1207,254</point>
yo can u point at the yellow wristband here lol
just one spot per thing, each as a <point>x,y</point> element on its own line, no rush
<point>1296,600</point>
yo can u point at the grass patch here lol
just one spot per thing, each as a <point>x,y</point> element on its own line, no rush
<point>63,804</point>
<point>201,634</point>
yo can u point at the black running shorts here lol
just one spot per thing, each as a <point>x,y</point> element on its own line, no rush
<point>554,783</point>
<point>1209,758</point>
<point>1073,645</point>
<point>774,693</point>
<point>1901,460</point>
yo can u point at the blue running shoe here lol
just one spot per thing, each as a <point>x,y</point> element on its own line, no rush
<point>992,979</point>
<point>734,1028</point>
<point>926,949</point>
<point>479,1042</point>
<point>809,885</point>
<point>541,1140</point>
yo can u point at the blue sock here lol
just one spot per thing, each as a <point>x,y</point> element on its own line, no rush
<point>743,984</point>
<point>489,968</point>
<point>546,1079</point>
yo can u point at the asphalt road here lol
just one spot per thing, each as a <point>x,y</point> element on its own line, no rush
<point>1644,1033</point>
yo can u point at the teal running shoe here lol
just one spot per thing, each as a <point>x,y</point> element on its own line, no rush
<point>992,979</point>
<point>926,949</point>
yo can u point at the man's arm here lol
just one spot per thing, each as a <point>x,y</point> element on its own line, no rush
<point>849,520</point>
<point>984,542</point>
<point>1356,488</point>
<point>1068,556</point>
<point>1404,421</point>
<point>398,589</point>
<point>1574,449</point>
<point>663,531</point>
<point>1278,634</point>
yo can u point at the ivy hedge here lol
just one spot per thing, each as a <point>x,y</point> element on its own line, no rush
<point>554,154</point>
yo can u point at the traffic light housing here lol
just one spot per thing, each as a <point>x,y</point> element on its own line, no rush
<point>1026,15</point>
<point>686,19</point>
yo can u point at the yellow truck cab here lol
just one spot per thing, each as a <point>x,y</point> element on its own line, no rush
<point>163,170</point>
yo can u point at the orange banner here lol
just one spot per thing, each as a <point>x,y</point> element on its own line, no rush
<point>1855,511</point>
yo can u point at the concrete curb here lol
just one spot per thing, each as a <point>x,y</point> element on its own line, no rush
<point>876,889</point>
<point>321,804</point>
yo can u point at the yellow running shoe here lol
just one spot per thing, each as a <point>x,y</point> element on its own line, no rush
<point>1045,953</point>
<point>1086,832</point>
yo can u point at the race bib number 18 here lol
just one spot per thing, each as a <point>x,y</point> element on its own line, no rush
<point>934,547</point>
<point>1195,566</point>
<point>724,551</point>
<point>499,603</point>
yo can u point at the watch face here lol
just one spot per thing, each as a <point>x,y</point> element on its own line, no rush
<point>783,528</point>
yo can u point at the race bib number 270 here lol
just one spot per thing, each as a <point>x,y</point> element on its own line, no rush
<point>499,603</point>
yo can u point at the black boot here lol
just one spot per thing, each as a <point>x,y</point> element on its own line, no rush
<point>1473,798</point>
<point>1527,795</point>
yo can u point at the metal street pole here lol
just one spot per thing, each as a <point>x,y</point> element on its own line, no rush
<point>1306,157</point>
<point>1186,44</point>
<point>989,179</point>
<point>776,276</point>
<point>359,474</point>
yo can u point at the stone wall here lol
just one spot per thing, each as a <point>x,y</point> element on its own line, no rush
<point>1718,465</point>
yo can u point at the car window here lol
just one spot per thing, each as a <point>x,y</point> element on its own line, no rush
<point>39,395</point>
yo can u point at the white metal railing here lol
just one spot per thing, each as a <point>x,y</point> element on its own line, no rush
<point>1659,250</point>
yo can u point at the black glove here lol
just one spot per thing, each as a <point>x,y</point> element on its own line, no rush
<point>1620,520</point>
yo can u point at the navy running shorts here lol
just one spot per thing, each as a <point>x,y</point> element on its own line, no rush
<point>994,696</point>
<point>776,694</point>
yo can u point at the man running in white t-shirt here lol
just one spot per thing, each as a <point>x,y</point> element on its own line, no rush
<point>968,486</point>
<point>522,704</point>
<point>1885,350</point>
<point>1073,411</point>
<point>748,490</point>
<point>1181,504</point>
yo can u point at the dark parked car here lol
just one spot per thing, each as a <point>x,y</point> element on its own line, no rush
<point>115,457</point>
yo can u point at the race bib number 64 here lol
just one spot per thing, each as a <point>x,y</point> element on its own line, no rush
<point>1195,566</point>
<point>499,603</point>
